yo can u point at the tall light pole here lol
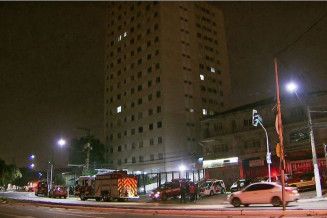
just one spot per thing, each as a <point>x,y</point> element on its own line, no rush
<point>61,142</point>
<point>280,133</point>
<point>314,156</point>
<point>292,88</point>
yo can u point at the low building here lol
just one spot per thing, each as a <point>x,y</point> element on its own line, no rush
<point>233,148</point>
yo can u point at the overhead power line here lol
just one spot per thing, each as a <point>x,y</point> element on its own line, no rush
<point>305,32</point>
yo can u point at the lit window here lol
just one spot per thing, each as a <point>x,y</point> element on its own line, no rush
<point>201,77</point>
<point>119,38</point>
<point>125,34</point>
<point>118,109</point>
<point>204,112</point>
<point>213,70</point>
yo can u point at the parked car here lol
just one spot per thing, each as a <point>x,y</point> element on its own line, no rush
<point>31,189</point>
<point>41,188</point>
<point>164,191</point>
<point>169,189</point>
<point>58,191</point>
<point>263,193</point>
<point>211,187</point>
<point>239,185</point>
<point>302,181</point>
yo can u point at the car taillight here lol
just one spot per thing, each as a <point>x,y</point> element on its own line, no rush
<point>291,191</point>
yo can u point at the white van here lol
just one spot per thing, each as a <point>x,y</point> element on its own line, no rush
<point>211,187</point>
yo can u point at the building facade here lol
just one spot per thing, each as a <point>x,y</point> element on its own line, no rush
<point>231,134</point>
<point>166,68</point>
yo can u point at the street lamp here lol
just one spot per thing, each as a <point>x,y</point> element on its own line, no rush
<point>182,168</point>
<point>61,142</point>
<point>292,87</point>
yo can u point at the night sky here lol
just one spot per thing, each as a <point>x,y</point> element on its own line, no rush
<point>52,66</point>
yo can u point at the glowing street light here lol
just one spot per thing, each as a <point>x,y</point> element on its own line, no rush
<point>182,168</point>
<point>32,157</point>
<point>32,165</point>
<point>62,142</point>
<point>291,87</point>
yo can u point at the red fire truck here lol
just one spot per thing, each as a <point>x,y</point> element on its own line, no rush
<point>109,186</point>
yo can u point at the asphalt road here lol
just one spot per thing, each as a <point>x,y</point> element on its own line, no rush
<point>208,206</point>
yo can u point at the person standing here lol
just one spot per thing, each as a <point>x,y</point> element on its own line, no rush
<point>183,193</point>
<point>192,192</point>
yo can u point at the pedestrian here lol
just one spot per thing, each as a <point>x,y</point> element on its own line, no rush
<point>183,193</point>
<point>187,186</point>
<point>196,191</point>
<point>192,192</point>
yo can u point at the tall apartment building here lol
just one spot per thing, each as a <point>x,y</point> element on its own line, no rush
<point>166,68</point>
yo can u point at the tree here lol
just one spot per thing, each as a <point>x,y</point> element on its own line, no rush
<point>28,175</point>
<point>77,152</point>
<point>9,173</point>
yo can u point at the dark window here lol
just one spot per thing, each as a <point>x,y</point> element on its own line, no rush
<point>140,129</point>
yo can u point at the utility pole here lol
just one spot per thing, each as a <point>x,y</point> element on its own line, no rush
<point>314,156</point>
<point>280,133</point>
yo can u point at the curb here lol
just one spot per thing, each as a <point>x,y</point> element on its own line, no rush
<point>189,212</point>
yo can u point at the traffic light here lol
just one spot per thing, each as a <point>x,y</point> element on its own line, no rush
<point>255,117</point>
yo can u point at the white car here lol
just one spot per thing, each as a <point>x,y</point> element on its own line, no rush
<point>263,193</point>
<point>211,187</point>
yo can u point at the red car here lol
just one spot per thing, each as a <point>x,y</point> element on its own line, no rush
<point>58,191</point>
<point>169,189</point>
<point>41,188</point>
<point>163,192</point>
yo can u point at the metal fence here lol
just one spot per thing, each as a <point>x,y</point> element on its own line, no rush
<point>150,181</point>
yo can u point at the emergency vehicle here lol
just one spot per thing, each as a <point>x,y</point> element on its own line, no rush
<point>109,186</point>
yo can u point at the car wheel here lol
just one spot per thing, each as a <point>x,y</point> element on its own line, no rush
<point>105,197</point>
<point>164,197</point>
<point>211,193</point>
<point>236,202</point>
<point>65,197</point>
<point>222,191</point>
<point>276,201</point>
<point>246,205</point>
<point>98,199</point>
<point>82,196</point>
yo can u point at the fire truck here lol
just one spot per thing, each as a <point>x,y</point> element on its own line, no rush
<point>107,187</point>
